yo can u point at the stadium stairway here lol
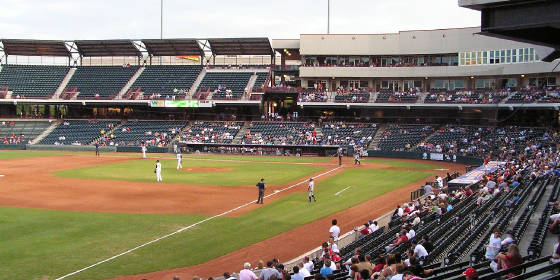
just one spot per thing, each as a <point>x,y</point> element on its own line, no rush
<point>46,132</point>
<point>197,82</point>
<point>64,83</point>
<point>505,100</point>
<point>250,86</point>
<point>130,82</point>
<point>118,126</point>
<point>422,97</point>
<point>239,136</point>
<point>178,137</point>
<point>424,140</point>
<point>380,129</point>
<point>534,220</point>
<point>373,97</point>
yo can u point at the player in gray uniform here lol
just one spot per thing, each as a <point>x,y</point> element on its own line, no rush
<point>310,189</point>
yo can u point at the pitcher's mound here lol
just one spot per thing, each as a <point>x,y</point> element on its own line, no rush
<point>206,169</point>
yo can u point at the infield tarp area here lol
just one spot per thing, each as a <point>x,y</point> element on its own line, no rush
<point>474,176</point>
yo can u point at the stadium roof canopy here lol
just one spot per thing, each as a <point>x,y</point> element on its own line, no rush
<point>172,47</point>
<point>241,46</point>
<point>107,48</point>
<point>35,47</point>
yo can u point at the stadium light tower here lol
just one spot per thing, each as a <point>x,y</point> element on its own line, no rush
<point>161,22</point>
<point>328,16</point>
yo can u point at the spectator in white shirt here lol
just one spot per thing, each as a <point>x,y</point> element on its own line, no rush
<point>410,233</point>
<point>308,264</point>
<point>419,250</point>
<point>334,230</point>
<point>509,239</point>
<point>303,271</point>
<point>373,225</point>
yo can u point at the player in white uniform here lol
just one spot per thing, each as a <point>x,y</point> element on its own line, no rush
<point>179,161</point>
<point>158,171</point>
<point>310,188</point>
<point>357,158</point>
<point>144,151</point>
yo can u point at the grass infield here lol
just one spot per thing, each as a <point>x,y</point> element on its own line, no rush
<point>227,174</point>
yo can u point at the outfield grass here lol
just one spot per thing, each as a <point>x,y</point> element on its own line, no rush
<point>54,243</point>
<point>240,174</point>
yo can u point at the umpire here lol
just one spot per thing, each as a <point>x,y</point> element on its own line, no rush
<point>261,187</point>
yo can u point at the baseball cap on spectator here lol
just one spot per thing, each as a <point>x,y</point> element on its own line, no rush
<point>471,272</point>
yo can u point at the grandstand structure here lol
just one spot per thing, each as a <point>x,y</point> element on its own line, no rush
<point>448,95</point>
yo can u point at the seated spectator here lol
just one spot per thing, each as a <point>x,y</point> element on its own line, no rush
<point>269,271</point>
<point>246,273</point>
<point>510,259</point>
<point>303,271</point>
<point>373,225</point>
<point>509,239</point>
<point>227,276</point>
<point>408,275</point>
<point>419,250</point>
<point>326,269</point>
<point>494,245</point>
<point>470,274</point>
<point>429,246</point>
<point>296,275</point>
<point>401,238</point>
<point>365,230</point>
<point>308,264</point>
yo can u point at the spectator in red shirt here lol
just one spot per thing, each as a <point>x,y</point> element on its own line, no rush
<point>510,259</point>
<point>400,239</point>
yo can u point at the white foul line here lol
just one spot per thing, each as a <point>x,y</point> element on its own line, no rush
<point>339,192</point>
<point>190,226</point>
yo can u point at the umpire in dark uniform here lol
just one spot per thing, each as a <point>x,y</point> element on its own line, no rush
<point>261,187</point>
<point>339,156</point>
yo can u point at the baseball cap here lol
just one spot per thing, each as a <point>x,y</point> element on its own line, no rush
<point>470,272</point>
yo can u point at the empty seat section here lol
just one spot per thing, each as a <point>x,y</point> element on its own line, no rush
<point>165,79</point>
<point>103,82</point>
<point>36,81</point>
<point>403,137</point>
<point>261,78</point>
<point>226,85</point>
<point>21,132</point>
<point>77,132</point>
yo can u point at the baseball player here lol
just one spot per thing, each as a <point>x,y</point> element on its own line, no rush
<point>261,186</point>
<point>310,188</point>
<point>158,171</point>
<point>179,161</point>
<point>144,149</point>
<point>97,148</point>
<point>357,158</point>
<point>340,156</point>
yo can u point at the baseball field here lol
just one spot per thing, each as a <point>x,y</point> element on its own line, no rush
<point>77,216</point>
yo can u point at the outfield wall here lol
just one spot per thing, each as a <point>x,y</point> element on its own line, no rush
<point>420,155</point>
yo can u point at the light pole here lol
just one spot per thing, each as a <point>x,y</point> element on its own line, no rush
<point>161,23</point>
<point>328,16</point>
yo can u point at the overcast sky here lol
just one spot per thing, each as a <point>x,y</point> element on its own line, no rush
<point>135,19</point>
